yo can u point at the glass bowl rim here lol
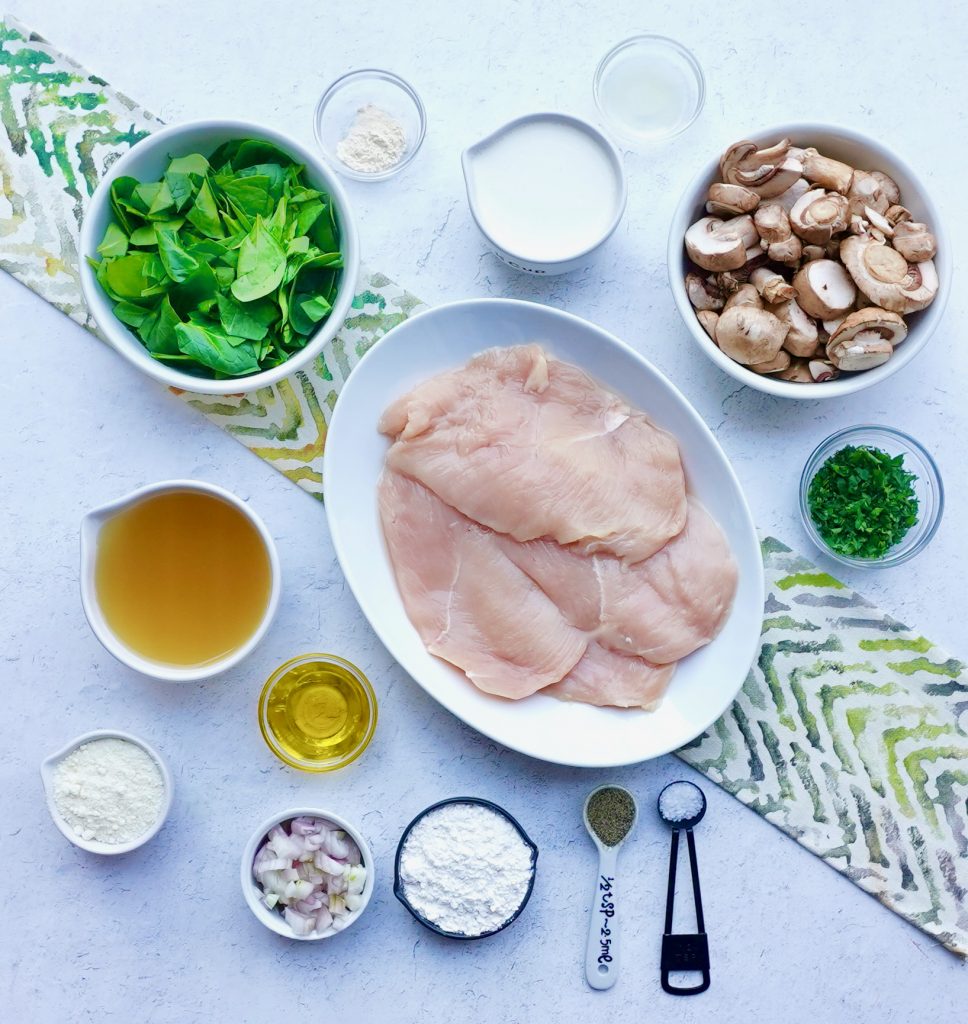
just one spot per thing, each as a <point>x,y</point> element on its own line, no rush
<point>360,74</point>
<point>839,439</point>
<point>672,44</point>
<point>316,767</point>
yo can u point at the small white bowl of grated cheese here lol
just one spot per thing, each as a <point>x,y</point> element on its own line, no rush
<point>107,791</point>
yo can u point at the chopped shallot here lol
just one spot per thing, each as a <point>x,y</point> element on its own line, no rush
<point>313,873</point>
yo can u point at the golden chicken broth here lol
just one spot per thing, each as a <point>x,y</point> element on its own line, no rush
<point>182,578</point>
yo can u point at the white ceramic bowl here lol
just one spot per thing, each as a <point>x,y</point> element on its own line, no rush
<point>146,161</point>
<point>444,338</point>
<point>522,260</point>
<point>859,151</point>
<point>47,769</point>
<point>272,919</point>
<point>90,528</point>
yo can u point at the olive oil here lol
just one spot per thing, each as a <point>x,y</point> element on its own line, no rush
<point>182,578</point>
<point>318,709</point>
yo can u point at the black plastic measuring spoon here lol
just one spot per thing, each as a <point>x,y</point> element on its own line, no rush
<point>681,806</point>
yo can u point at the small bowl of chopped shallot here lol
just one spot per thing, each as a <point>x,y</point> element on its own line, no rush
<point>307,874</point>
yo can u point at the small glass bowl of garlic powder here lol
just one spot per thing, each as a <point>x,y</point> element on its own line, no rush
<point>370,124</point>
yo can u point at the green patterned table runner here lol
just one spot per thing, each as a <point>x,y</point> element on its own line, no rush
<point>847,732</point>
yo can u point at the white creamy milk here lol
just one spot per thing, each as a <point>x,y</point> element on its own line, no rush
<point>545,190</point>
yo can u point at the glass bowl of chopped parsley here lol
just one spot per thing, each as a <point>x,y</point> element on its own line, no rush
<point>871,496</point>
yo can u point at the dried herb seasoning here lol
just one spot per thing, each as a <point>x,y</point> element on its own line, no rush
<point>611,814</point>
<point>862,501</point>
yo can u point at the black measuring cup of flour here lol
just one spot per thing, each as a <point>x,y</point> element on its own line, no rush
<point>681,806</point>
<point>399,889</point>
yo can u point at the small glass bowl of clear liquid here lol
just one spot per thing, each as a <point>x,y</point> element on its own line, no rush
<point>649,88</point>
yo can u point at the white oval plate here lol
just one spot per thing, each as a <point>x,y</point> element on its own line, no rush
<point>572,734</point>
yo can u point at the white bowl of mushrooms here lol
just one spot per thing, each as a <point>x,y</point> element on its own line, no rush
<point>808,261</point>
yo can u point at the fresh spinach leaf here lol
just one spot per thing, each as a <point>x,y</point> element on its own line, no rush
<point>204,212</point>
<point>211,347</point>
<point>114,243</point>
<point>262,263</point>
<point>315,278</point>
<point>247,320</point>
<point>179,263</point>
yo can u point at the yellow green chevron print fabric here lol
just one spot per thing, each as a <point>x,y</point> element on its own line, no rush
<point>849,733</point>
<point>849,736</point>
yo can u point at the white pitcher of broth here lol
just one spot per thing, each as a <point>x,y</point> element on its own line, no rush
<point>179,580</point>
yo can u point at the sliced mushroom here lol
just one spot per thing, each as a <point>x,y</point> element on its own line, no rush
<point>886,277</point>
<point>772,286</point>
<point>788,199</point>
<point>787,252</point>
<point>802,335</point>
<point>772,223</point>
<point>870,323</point>
<point>781,361</point>
<point>860,354</point>
<point>879,221</point>
<point>824,289</point>
<point>830,326</point>
<point>713,247</point>
<point>750,335</point>
<point>768,172</point>
<point>818,215</point>
<point>921,285</point>
<point>822,170</point>
<point>745,295</point>
<point>867,189</point>
<point>858,226</point>
<point>796,373</point>
<point>726,200</point>
<point>708,319</point>
<point>821,370</point>
<point>896,214</point>
<point>703,294</point>
<point>888,186</point>
<point>914,241</point>
<point>729,280</point>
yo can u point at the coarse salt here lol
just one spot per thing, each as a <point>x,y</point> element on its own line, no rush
<point>465,868</point>
<point>680,801</point>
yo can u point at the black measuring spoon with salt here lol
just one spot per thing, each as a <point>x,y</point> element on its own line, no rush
<point>682,805</point>
<point>610,813</point>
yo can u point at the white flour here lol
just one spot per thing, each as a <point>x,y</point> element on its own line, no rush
<point>375,142</point>
<point>465,868</point>
<point>109,790</point>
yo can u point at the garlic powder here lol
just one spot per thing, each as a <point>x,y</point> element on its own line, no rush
<point>465,868</point>
<point>375,142</point>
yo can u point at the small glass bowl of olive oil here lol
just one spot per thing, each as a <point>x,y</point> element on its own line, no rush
<point>317,712</point>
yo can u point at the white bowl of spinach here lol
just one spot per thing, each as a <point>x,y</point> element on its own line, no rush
<point>219,256</point>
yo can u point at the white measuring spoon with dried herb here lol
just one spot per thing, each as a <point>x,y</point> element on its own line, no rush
<point>610,814</point>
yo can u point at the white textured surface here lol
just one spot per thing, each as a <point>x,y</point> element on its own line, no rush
<point>162,935</point>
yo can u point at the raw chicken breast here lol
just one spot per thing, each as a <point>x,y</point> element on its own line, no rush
<point>608,679</point>
<point>470,604</point>
<point>533,447</point>
<point>676,601</point>
<point>661,609</point>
